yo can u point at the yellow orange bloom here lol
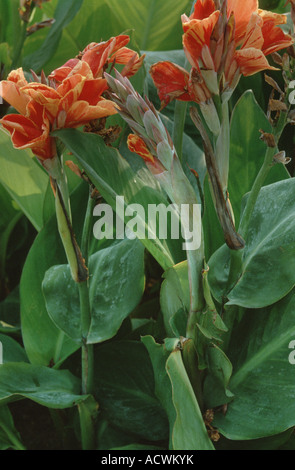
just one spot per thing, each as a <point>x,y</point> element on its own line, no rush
<point>11,90</point>
<point>76,101</point>
<point>229,42</point>
<point>171,81</point>
<point>31,131</point>
<point>99,55</point>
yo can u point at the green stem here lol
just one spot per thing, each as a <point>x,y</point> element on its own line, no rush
<point>178,128</point>
<point>195,267</point>
<point>222,148</point>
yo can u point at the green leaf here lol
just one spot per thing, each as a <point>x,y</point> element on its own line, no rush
<point>124,388</point>
<point>114,273</point>
<point>10,313</point>
<point>47,387</point>
<point>23,179</point>
<point>9,22</point>
<point>163,389</point>
<point>99,162</point>
<point>279,442</point>
<point>263,378</point>
<point>65,12</point>
<point>247,150</point>
<point>189,431</point>
<point>12,350</point>
<point>175,299</point>
<point>268,271</point>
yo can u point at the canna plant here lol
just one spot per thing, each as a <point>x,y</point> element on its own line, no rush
<point>146,339</point>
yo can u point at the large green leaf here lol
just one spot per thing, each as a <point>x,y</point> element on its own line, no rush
<point>268,271</point>
<point>175,299</point>
<point>113,177</point>
<point>9,22</point>
<point>263,378</point>
<point>48,387</point>
<point>10,313</point>
<point>163,389</point>
<point>247,150</point>
<point>23,179</point>
<point>114,273</point>
<point>125,390</point>
<point>65,12</point>
<point>189,431</point>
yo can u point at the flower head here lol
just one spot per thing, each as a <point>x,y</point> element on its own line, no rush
<point>72,96</point>
<point>99,55</point>
<point>221,44</point>
<point>150,138</point>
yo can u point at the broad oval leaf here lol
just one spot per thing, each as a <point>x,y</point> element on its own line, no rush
<point>268,271</point>
<point>247,150</point>
<point>48,387</point>
<point>115,272</point>
<point>125,390</point>
<point>263,378</point>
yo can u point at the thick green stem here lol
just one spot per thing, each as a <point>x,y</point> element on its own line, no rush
<point>222,148</point>
<point>178,128</point>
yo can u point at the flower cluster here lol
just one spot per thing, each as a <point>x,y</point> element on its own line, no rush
<point>150,139</point>
<point>71,97</point>
<point>221,43</point>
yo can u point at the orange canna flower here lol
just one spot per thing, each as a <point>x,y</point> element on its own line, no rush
<point>76,101</point>
<point>232,41</point>
<point>99,55</point>
<point>171,81</point>
<point>31,131</point>
<point>11,90</point>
